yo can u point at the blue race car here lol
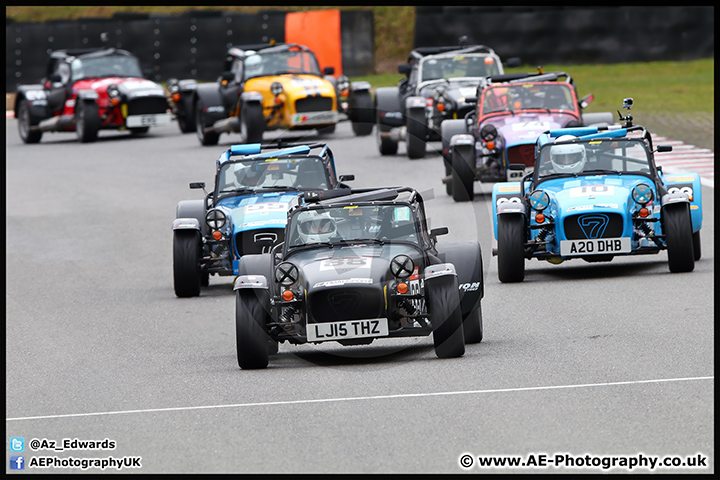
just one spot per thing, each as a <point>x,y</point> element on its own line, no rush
<point>247,210</point>
<point>596,193</point>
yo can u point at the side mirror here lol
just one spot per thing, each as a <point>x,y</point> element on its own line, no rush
<point>664,148</point>
<point>147,73</point>
<point>436,232</point>
<point>404,68</point>
<point>586,100</point>
<point>227,76</point>
<point>55,78</point>
<point>347,178</point>
<point>197,185</point>
<point>329,70</point>
<point>513,62</point>
<point>516,166</point>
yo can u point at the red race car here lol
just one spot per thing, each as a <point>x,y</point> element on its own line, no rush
<point>88,90</point>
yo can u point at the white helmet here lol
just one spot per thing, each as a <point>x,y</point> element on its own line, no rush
<point>315,227</point>
<point>568,158</point>
<point>253,66</point>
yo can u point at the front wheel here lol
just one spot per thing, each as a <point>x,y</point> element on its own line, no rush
<point>186,119</point>
<point>87,121</point>
<point>252,123</point>
<point>679,238</point>
<point>416,133</point>
<point>187,277</point>
<point>463,175</point>
<point>473,326</point>
<point>511,249</point>
<point>697,248</point>
<point>362,113</point>
<point>27,134</point>
<point>253,348</point>
<point>206,138</point>
<point>445,316</point>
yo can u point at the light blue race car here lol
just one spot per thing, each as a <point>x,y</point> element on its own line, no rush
<point>596,193</point>
<point>247,210</point>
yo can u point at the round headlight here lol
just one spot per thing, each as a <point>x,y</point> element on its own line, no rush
<point>402,266</point>
<point>488,132</point>
<point>286,274</point>
<point>113,91</point>
<point>276,88</point>
<point>539,200</point>
<point>642,193</point>
<point>215,219</point>
<point>343,83</point>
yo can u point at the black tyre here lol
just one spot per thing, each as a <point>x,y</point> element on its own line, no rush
<point>186,119</point>
<point>362,113</point>
<point>25,124</point>
<point>511,250</point>
<point>386,145</point>
<point>206,138</point>
<point>473,326</point>
<point>697,248</point>
<point>679,238</point>
<point>87,121</point>
<point>186,263</point>
<point>443,300</point>
<point>448,128</point>
<point>463,175</point>
<point>253,348</point>
<point>416,133</point>
<point>252,122</point>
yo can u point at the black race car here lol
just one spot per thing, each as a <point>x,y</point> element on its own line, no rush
<point>356,265</point>
<point>440,81</point>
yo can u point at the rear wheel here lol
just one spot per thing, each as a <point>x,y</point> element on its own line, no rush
<point>253,348</point>
<point>252,123</point>
<point>87,121</point>
<point>25,124</point>
<point>511,250</point>
<point>362,113</point>
<point>463,176</point>
<point>445,315</point>
<point>206,138</point>
<point>187,277</point>
<point>416,133</point>
<point>473,326</point>
<point>679,238</point>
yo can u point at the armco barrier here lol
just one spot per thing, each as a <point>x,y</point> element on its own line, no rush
<point>191,45</point>
<point>574,34</point>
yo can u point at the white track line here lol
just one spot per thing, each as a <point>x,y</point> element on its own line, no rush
<point>375,397</point>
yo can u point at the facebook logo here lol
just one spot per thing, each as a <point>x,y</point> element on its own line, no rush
<point>17,462</point>
<point>17,444</point>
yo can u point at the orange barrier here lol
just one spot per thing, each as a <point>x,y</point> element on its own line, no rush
<point>319,30</point>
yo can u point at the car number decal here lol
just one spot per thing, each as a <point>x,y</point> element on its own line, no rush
<point>587,190</point>
<point>345,263</point>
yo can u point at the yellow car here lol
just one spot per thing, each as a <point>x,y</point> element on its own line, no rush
<point>267,87</point>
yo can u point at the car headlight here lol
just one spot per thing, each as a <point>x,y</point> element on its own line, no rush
<point>276,88</point>
<point>488,132</point>
<point>215,219</point>
<point>539,200</point>
<point>286,274</point>
<point>402,266</point>
<point>343,83</point>
<point>642,194</point>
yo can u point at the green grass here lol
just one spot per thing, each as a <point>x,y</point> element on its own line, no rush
<point>656,87</point>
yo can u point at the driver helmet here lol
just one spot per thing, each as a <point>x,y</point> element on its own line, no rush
<point>568,158</point>
<point>253,66</point>
<point>317,227</point>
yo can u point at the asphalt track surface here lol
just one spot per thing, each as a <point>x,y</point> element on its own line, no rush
<point>582,364</point>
